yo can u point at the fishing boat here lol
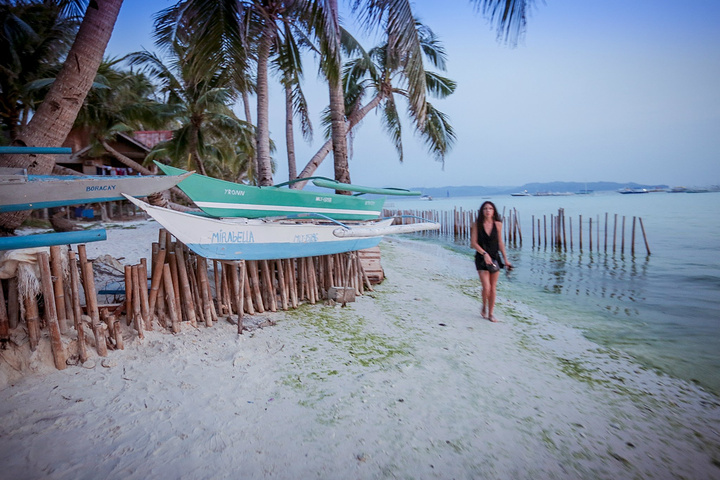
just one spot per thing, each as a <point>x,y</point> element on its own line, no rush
<point>632,191</point>
<point>20,191</point>
<point>273,238</point>
<point>221,198</point>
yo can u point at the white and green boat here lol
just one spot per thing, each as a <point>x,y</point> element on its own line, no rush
<point>220,198</point>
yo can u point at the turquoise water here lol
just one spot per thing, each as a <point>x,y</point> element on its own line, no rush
<point>662,308</point>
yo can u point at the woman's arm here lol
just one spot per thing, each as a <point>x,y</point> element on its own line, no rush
<point>501,244</point>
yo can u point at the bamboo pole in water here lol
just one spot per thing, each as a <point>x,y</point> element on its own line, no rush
<point>571,233</point>
<point>580,233</point>
<point>647,247</point>
<point>622,244</point>
<point>614,232</point>
<point>590,233</point>
<point>632,241</point>
<point>606,231</point>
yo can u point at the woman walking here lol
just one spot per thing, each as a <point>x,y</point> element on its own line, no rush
<point>486,240</point>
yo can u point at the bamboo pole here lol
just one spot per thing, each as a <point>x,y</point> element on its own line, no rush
<point>156,279</point>
<point>255,284</point>
<point>143,289</point>
<point>128,294</point>
<point>186,296</point>
<point>248,294</point>
<point>571,233</point>
<point>138,320</point>
<point>590,233</point>
<point>32,318</point>
<point>614,232</point>
<point>4,321</point>
<point>170,298</point>
<point>606,231</point>
<point>632,241</point>
<point>51,311</point>
<point>75,290</point>
<point>204,286</point>
<point>292,281</point>
<point>284,304</point>
<point>56,272</point>
<point>647,247</point>
<point>13,299</point>
<point>92,308</point>
<point>580,232</point>
<point>173,262</point>
<point>269,285</point>
<point>622,244</point>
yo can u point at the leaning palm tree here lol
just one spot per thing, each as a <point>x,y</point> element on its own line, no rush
<point>54,118</point>
<point>381,73</point>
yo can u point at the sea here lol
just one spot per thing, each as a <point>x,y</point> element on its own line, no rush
<point>661,307</point>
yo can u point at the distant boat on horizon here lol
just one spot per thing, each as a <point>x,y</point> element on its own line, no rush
<point>524,193</point>
<point>627,190</point>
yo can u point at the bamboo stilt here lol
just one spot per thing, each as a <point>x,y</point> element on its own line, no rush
<point>32,319</point>
<point>647,247</point>
<point>4,321</point>
<point>77,310</point>
<point>13,299</point>
<point>281,285</point>
<point>247,291</point>
<point>138,320</point>
<point>255,284</point>
<point>156,280</point>
<point>170,299</point>
<point>92,309</point>
<point>186,293</point>
<point>56,272</point>
<point>143,289</point>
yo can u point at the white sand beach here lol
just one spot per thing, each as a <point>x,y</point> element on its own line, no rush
<point>407,382</point>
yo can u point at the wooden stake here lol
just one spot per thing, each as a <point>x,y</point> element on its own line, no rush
<point>51,313</point>
<point>647,247</point>
<point>138,321</point>
<point>143,289</point>
<point>156,280</point>
<point>32,318</point>
<point>128,294</point>
<point>4,321</point>
<point>13,303</point>
<point>186,294</point>
<point>77,309</point>
<point>58,286</point>
<point>255,284</point>
<point>92,308</point>
<point>170,298</point>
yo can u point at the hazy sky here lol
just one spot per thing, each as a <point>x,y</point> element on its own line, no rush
<point>612,90</point>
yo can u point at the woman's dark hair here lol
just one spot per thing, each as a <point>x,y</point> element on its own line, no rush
<point>496,217</point>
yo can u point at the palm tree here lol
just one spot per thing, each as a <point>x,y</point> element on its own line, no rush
<point>381,72</point>
<point>55,116</point>
<point>121,101</point>
<point>34,37</point>
<point>199,98</point>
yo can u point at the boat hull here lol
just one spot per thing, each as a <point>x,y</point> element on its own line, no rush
<point>256,239</point>
<point>30,192</point>
<point>221,198</point>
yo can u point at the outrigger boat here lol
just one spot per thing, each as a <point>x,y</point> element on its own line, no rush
<point>273,238</point>
<point>221,198</point>
<point>20,191</point>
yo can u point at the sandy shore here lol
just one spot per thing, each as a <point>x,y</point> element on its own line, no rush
<point>407,382</point>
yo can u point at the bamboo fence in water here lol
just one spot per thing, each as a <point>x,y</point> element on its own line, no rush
<point>554,230</point>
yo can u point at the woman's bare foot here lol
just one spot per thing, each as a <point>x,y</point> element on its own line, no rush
<point>483,313</point>
<point>493,319</point>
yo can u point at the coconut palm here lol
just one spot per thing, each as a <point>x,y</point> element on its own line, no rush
<point>34,38</point>
<point>51,123</point>
<point>381,73</point>
<point>199,97</point>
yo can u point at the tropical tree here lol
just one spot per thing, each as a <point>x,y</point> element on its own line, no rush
<point>54,118</point>
<point>199,98</point>
<point>34,38</point>
<point>381,73</point>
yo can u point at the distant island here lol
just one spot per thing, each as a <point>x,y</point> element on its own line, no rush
<point>533,188</point>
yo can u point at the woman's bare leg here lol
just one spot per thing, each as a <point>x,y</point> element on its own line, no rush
<point>485,281</point>
<point>492,291</point>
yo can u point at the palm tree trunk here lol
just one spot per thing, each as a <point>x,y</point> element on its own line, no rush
<point>289,134</point>
<point>318,158</point>
<point>264,163</point>
<point>54,118</point>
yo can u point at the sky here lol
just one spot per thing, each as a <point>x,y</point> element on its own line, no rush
<point>617,90</point>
